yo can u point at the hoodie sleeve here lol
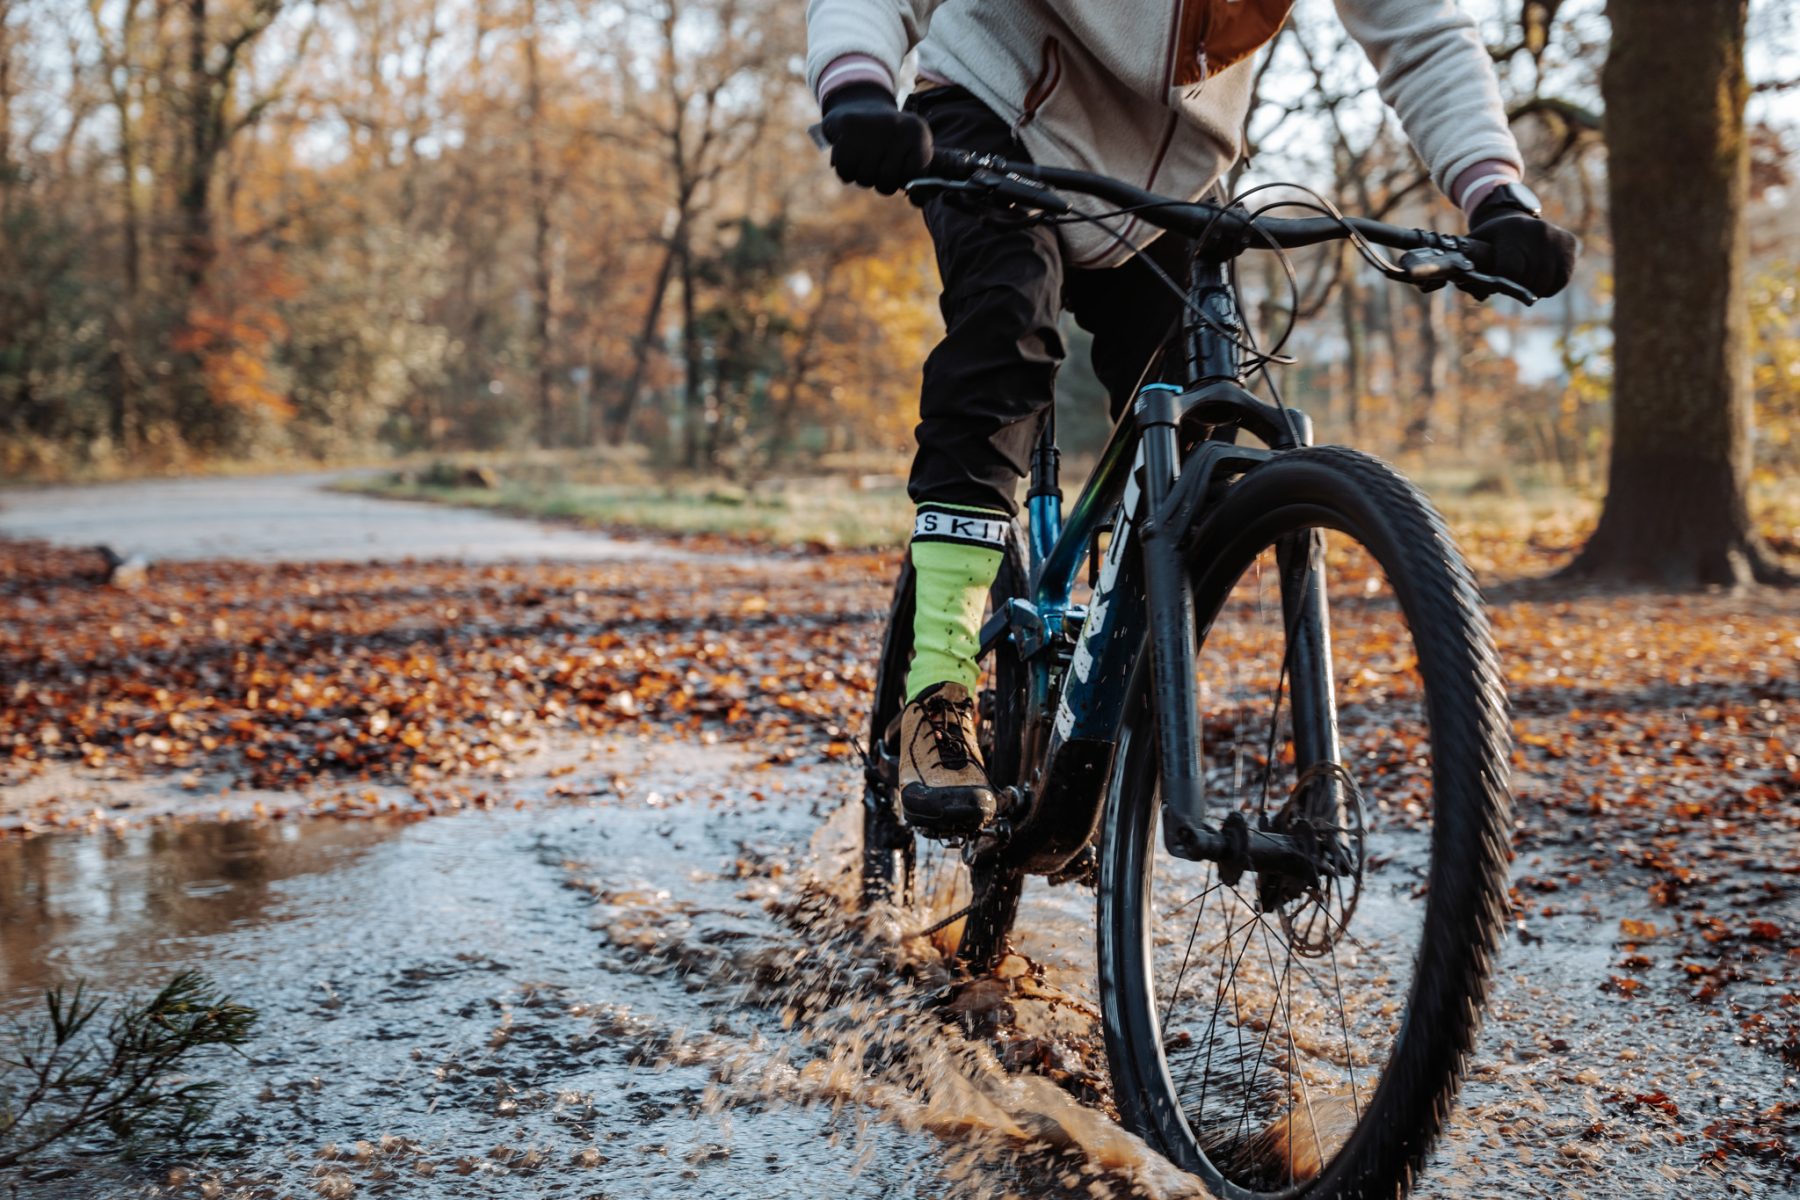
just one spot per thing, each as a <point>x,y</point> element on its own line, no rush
<point>881,30</point>
<point>1434,71</point>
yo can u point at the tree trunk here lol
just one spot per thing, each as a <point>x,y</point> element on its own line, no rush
<point>1356,363</point>
<point>1384,323</point>
<point>543,383</point>
<point>123,409</point>
<point>1676,513</point>
<point>194,199</point>
<point>194,413</point>
<point>1456,331</point>
<point>1432,371</point>
<point>693,395</point>
<point>7,170</point>
<point>618,421</point>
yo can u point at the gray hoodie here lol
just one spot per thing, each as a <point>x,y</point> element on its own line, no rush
<point>1156,91</point>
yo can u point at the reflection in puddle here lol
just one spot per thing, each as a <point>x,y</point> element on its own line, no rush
<point>110,908</point>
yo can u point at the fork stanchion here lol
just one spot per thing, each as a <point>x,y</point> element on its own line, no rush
<point>1158,412</point>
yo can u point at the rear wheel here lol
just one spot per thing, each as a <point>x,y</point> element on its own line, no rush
<point>1281,1037</point>
<point>957,895</point>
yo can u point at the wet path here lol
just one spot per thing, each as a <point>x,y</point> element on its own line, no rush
<point>439,989</point>
<point>647,990</point>
<point>616,997</point>
<point>288,518</point>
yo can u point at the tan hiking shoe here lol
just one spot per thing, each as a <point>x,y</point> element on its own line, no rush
<point>944,788</point>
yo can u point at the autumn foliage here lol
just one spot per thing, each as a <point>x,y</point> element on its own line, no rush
<point>252,228</point>
<point>255,229</point>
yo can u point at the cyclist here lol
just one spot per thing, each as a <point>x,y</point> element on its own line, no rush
<point>1151,91</point>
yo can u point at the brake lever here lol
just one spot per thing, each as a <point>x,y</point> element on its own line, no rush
<point>1021,190</point>
<point>1432,267</point>
<point>1481,285</point>
<point>1013,188</point>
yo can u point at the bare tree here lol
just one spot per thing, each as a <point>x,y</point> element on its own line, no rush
<point>710,113</point>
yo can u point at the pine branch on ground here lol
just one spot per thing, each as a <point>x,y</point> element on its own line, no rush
<point>64,1075</point>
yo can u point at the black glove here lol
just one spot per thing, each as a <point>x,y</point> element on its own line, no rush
<point>872,142</point>
<point>1527,250</point>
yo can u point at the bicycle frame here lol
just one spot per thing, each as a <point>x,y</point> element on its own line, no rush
<point>1141,594</point>
<point>1071,730</point>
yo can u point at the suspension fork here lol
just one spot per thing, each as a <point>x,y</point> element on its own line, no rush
<point>1171,611</point>
<point>1211,345</point>
<point>1300,562</point>
<point>1233,844</point>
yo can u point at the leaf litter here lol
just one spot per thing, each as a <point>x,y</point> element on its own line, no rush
<point>1655,763</point>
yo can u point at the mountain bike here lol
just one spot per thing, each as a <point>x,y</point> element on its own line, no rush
<point>1273,737</point>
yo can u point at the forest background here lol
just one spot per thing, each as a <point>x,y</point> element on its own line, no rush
<point>594,240</point>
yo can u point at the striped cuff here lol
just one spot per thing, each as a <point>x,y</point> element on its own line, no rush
<point>853,68</point>
<point>964,526</point>
<point>1473,185</point>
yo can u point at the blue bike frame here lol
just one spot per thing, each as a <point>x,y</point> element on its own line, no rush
<point>1085,661</point>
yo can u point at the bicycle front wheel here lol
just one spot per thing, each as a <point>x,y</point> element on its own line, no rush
<point>1283,1037</point>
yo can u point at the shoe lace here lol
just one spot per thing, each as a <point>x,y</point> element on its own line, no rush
<point>948,722</point>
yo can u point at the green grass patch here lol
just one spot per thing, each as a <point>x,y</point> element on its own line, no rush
<point>71,1074</point>
<point>826,512</point>
<point>834,511</point>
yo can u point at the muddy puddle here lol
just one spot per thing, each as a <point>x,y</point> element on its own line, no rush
<point>657,992</point>
<point>646,995</point>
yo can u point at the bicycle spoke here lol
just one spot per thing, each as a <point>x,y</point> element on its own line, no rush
<point>1268,1028</point>
<point>1293,1070</point>
<point>1186,955</point>
<point>1213,1023</point>
<point>1344,1025</point>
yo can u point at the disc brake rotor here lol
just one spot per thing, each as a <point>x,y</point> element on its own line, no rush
<point>1326,811</point>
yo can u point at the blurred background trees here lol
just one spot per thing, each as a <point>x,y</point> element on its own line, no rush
<point>279,229</point>
<point>265,228</point>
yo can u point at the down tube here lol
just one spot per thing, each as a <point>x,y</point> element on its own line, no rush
<point>1055,579</point>
<point>1072,786</point>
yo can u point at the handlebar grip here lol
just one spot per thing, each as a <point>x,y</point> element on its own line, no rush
<point>1481,256</point>
<point>1480,253</point>
<point>947,163</point>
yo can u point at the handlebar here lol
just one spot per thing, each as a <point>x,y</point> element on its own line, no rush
<point>1430,261</point>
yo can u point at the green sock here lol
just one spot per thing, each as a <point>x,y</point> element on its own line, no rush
<point>955,556</point>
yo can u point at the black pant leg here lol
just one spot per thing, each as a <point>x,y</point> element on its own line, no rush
<point>990,381</point>
<point>1130,312</point>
